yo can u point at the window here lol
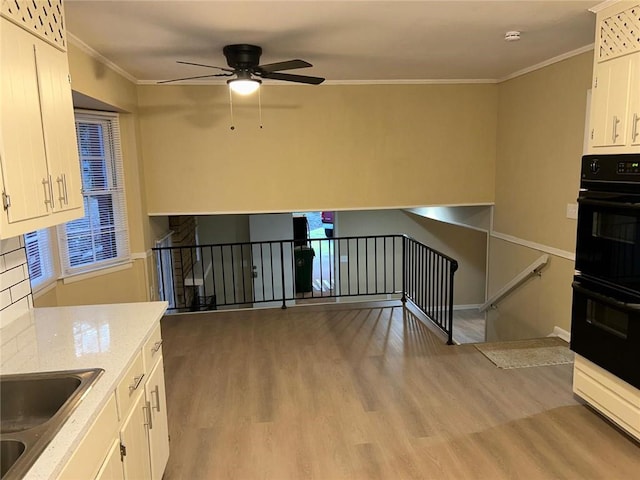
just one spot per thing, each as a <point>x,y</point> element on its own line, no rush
<point>39,258</point>
<point>99,239</point>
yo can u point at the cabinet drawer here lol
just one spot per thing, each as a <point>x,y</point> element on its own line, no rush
<point>152,349</point>
<point>131,383</point>
<point>91,452</point>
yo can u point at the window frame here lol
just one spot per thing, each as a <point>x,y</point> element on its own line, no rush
<point>44,244</point>
<point>114,188</point>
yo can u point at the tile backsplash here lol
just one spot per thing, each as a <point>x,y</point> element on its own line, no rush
<point>15,289</point>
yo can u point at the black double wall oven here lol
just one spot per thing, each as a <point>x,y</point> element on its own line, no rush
<point>605,319</point>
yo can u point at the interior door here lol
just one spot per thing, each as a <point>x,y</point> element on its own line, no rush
<point>267,258</point>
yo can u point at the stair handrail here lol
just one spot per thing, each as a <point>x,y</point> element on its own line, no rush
<point>531,270</point>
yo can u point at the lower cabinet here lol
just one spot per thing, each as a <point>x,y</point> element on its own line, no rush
<point>158,426</point>
<point>135,441</point>
<point>112,467</point>
<point>133,445</point>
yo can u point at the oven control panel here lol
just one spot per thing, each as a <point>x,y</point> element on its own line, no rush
<point>598,170</point>
<point>629,167</point>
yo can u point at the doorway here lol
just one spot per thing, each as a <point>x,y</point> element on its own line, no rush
<point>320,233</point>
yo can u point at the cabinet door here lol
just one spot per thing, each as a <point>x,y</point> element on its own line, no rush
<point>610,100</point>
<point>159,431</point>
<point>634,101</point>
<point>134,437</point>
<point>59,127</point>
<point>24,165</point>
<point>112,467</point>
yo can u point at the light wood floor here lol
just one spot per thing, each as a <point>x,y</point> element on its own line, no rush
<point>468,326</point>
<point>332,392</point>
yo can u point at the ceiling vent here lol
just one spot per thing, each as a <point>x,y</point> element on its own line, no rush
<point>512,36</point>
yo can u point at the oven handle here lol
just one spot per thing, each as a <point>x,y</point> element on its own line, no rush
<point>605,203</point>
<point>630,307</point>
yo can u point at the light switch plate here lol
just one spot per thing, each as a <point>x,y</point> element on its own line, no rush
<point>572,210</point>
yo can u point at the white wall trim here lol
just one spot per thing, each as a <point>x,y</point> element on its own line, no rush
<point>470,306</point>
<point>546,63</point>
<point>535,246</point>
<point>141,255</point>
<point>98,56</point>
<point>97,273</point>
<point>47,287</point>
<point>358,209</point>
<point>561,333</point>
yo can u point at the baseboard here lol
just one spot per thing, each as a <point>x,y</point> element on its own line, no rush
<point>561,333</point>
<point>471,306</point>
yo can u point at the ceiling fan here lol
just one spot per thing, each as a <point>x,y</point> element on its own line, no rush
<point>244,61</point>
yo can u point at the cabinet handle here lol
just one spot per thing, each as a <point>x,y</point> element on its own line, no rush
<point>147,411</point>
<point>48,192</point>
<point>60,183</point>
<point>634,132</point>
<point>64,184</point>
<point>136,383</point>
<point>156,346</point>
<point>614,132</point>
<point>62,189</point>
<point>157,392</point>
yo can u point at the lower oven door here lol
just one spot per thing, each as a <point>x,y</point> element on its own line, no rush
<point>605,328</point>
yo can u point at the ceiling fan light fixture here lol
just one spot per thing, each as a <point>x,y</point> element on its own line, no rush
<point>244,84</point>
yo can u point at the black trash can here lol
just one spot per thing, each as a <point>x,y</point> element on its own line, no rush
<point>303,257</point>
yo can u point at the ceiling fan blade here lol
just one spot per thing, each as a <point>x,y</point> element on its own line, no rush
<point>199,76</point>
<point>208,66</point>
<point>288,77</point>
<point>288,65</point>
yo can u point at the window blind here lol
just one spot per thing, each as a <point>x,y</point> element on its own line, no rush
<point>39,257</point>
<point>101,238</point>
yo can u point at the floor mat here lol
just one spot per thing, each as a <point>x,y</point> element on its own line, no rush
<point>527,353</point>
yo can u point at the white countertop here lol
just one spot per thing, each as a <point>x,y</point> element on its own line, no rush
<point>69,338</point>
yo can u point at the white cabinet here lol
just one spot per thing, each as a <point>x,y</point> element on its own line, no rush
<point>610,97</point>
<point>158,426</point>
<point>41,182</point>
<point>135,442</point>
<point>130,437</point>
<point>112,467</point>
<point>634,103</point>
<point>615,100</point>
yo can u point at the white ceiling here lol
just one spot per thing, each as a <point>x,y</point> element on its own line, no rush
<point>387,41</point>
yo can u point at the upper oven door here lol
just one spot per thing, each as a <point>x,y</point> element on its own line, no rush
<point>608,241</point>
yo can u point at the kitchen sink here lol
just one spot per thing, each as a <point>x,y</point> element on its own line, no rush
<point>33,407</point>
<point>10,451</point>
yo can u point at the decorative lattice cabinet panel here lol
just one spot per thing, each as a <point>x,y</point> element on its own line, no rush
<point>43,18</point>
<point>618,33</point>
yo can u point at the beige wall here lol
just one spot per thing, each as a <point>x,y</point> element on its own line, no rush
<point>326,147</point>
<point>467,246</point>
<point>536,307</point>
<point>541,120</point>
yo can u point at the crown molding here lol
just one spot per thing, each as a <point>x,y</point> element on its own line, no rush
<point>546,63</point>
<point>97,56</point>
<point>601,6</point>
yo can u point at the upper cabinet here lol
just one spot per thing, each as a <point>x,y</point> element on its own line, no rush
<point>615,101</point>
<point>40,171</point>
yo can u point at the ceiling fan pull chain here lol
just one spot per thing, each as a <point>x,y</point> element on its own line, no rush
<point>231,109</point>
<point>260,106</point>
